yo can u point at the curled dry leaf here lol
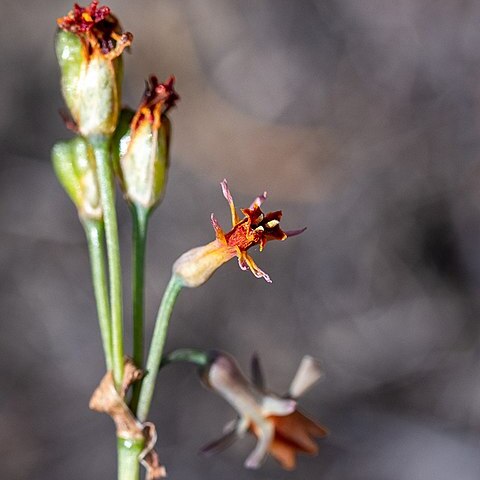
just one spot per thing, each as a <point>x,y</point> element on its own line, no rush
<point>106,399</point>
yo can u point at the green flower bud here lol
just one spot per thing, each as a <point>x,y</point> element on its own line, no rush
<point>75,167</point>
<point>89,44</point>
<point>142,147</point>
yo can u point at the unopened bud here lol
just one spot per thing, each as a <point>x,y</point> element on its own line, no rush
<point>74,164</point>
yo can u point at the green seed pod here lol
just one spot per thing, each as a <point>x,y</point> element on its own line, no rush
<point>89,44</point>
<point>142,148</point>
<point>75,167</point>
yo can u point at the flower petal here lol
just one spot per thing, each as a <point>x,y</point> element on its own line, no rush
<point>273,405</point>
<point>308,373</point>
<point>293,233</point>
<point>228,197</point>
<point>254,269</point>
<point>230,435</point>
<point>218,229</point>
<point>257,373</point>
<point>259,200</point>
<point>265,433</point>
<point>299,430</point>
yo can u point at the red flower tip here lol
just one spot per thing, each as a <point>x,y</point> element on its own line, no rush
<point>83,19</point>
<point>157,99</point>
<point>156,92</point>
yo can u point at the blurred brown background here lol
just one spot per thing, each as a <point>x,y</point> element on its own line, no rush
<point>361,119</point>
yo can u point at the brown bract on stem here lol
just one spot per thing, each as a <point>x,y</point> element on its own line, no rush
<point>106,399</point>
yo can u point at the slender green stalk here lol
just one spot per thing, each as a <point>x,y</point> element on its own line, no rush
<point>156,347</point>
<point>101,146</point>
<point>95,238</point>
<point>128,462</point>
<point>197,357</point>
<point>140,216</point>
<point>140,223</point>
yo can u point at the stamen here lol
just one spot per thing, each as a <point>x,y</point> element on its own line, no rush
<point>272,223</point>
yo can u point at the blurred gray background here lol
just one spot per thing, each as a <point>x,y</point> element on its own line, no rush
<point>361,118</point>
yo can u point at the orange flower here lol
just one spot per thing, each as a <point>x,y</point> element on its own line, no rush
<point>256,228</point>
<point>281,429</point>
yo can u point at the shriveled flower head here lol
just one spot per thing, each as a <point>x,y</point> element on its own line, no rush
<point>280,428</point>
<point>144,143</point>
<point>255,228</point>
<point>97,28</point>
<point>89,44</point>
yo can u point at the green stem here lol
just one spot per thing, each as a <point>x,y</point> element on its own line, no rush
<point>140,216</point>
<point>128,458</point>
<point>156,347</point>
<point>140,223</point>
<point>101,146</point>
<point>197,357</point>
<point>95,238</point>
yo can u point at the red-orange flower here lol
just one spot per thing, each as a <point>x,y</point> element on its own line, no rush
<point>97,27</point>
<point>294,433</point>
<point>281,429</point>
<point>255,228</point>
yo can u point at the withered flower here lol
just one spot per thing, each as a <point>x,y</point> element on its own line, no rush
<point>281,429</point>
<point>196,266</point>
<point>89,44</point>
<point>143,145</point>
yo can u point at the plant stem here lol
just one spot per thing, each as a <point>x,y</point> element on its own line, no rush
<point>197,357</point>
<point>156,346</point>
<point>101,146</point>
<point>128,458</point>
<point>140,216</point>
<point>95,238</point>
<point>140,223</point>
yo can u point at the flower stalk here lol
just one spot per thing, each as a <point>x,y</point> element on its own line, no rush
<point>94,231</point>
<point>101,148</point>
<point>191,355</point>
<point>128,458</point>
<point>156,347</point>
<point>140,217</point>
